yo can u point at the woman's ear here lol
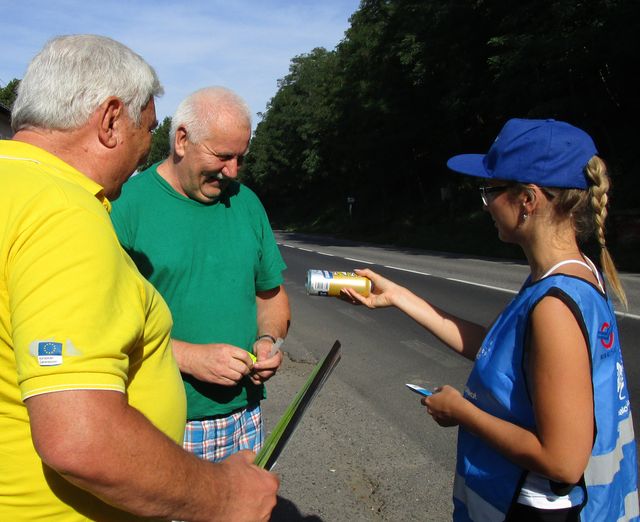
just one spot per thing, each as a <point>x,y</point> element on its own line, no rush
<point>530,198</point>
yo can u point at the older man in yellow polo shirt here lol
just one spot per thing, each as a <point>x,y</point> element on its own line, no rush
<point>92,404</point>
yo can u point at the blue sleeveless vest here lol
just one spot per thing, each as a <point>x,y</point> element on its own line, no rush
<point>486,482</point>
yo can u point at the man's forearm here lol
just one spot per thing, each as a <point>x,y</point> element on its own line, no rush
<point>181,355</point>
<point>273,312</point>
<point>111,450</point>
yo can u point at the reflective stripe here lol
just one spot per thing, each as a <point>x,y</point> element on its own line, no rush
<point>536,492</point>
<point>602,468</point>
<point>479,510</point>
<point>631,508</point>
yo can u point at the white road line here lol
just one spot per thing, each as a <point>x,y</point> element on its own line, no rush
<point>480,284</point>
<point>619,314</point>
<point>624,315</point>
<point>406,270</point>
<point>359,260</point>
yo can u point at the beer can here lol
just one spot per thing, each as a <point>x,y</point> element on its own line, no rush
<point>324,282</point>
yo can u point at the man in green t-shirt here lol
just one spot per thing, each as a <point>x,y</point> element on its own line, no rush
<point>205,242</point>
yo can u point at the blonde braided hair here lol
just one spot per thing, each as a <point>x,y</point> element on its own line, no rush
<point>597,172</point>
<point>588,211</point>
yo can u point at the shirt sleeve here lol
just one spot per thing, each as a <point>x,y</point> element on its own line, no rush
<point>76,312</point>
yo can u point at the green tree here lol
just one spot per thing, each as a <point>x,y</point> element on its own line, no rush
<point>160,147</point>
<point>290,157</point>
<point>415,82</point>
<point>9,92</point>
<point>572,61</point>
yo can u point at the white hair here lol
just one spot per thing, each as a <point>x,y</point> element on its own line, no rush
<point>199,111</point>
<point>72,75</point>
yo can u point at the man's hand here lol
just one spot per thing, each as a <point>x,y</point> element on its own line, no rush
<point>217,363</point>
<point>253,493</point>
<point>267,363</point>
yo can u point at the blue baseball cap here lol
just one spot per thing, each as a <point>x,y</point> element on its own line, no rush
<point>548,153</point>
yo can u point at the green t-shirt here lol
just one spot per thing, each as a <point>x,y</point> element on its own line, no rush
<point>208,262</point>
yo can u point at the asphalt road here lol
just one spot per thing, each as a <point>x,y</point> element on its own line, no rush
<point>366,450</point>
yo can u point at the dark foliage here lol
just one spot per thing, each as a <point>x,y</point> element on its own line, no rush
<point>415,82</point>
<point>160,147</point>
<point>9,92</point>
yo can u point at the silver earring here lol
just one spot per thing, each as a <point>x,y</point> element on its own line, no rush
<point>525,216</point>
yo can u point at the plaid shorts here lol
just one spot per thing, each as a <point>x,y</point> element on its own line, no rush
<point>217,438</point>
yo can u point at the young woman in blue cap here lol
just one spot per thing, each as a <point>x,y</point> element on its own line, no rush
<point>545,428</point>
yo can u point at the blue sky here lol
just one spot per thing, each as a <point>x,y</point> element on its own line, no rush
<point>245,45</point>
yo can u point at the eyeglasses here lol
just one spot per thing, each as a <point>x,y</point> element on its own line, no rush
<point>485,191</point>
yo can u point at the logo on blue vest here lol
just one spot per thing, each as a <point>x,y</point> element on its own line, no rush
<point>606,335</point>
<point>49,353</point>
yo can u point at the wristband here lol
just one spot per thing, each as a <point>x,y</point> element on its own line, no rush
<point>266,336</point>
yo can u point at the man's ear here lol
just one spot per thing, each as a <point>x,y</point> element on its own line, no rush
<point>180,141</point>
<point>110,115</point>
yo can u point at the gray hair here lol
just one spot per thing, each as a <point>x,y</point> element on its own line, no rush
<point>72,75</point>
<point>202,109</point>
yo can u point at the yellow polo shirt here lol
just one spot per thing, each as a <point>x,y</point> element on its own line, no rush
<point>75,314</point>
